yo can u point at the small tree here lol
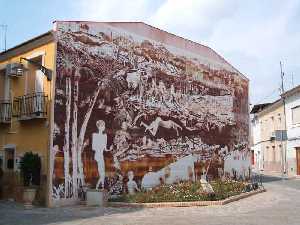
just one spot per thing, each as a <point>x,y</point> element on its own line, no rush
<point>30,166</point>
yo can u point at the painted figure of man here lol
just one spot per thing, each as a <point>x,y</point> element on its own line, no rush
<point>99,146</point>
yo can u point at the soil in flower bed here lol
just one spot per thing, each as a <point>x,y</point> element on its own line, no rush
<point>184,192</point>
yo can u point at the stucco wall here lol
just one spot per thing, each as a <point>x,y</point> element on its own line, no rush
<point>136,105</point>
<point>271,119</point>
<point>256,143</point>
<point>293,131</point>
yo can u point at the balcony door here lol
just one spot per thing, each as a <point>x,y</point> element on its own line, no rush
<point>39,81</point>
<point>39,89</point>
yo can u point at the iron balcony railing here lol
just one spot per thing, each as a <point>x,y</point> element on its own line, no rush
<point>31,106</point>
<point>5,111</point>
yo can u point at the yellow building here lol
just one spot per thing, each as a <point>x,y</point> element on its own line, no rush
<point>268,152</point>
<point>25,97</point>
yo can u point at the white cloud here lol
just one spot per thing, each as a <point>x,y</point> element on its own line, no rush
<point>193,18</point>
<point>252,35</point>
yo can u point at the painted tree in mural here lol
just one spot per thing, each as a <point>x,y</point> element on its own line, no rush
<point>77,138</point>
<point>157,106</point>
<point>72,72</point>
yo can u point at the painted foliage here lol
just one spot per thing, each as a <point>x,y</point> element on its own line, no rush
<point>133,113</point>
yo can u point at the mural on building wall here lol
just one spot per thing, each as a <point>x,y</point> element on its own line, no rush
<point>132,113</point>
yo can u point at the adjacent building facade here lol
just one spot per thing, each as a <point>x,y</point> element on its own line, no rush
<point>268,152</point>
<point>292,108</point>
<point>25,99</point>
<point>121,103</point>
<point>277,152</point>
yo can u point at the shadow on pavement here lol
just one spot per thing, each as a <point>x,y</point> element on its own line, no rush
<point>268,179</point>
<point>13,213</point>
<point>282,182</point>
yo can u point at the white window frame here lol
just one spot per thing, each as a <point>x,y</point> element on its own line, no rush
<point>292,111</point>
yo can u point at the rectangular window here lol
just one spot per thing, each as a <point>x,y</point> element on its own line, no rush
<point>296,115</point>
<point>267,157</point>
<point>10,158</point>
<point>273,154</point>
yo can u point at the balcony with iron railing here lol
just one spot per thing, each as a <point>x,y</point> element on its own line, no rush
<point>32,106</point>
<point>5,111</point>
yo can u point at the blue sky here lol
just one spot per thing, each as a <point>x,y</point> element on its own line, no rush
<point>252,35</point>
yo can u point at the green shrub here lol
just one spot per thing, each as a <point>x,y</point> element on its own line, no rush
<point>30,166</point>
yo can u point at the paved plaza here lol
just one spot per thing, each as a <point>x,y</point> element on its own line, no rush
<point>279,205</point>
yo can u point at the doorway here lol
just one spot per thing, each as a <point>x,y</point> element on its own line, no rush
<point>298,160</point>
<point>9,159</point>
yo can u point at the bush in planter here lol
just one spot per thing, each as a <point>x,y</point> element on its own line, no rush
<point>30,166</point>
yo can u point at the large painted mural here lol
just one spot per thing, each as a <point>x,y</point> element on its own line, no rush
<point>133,112</point>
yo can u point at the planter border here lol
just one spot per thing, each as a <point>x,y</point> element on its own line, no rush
<point>186,204</point>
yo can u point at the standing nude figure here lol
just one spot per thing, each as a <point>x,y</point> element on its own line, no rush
<point>99,146</point>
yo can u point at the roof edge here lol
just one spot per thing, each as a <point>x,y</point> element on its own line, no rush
<point>271,106</point>
<point>167,32</point>
<point>194,42</point>
<point>6,54</point>
<point>2,54</point>
<point>291,92</point>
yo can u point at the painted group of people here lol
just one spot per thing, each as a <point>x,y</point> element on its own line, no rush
<point>99,145</point>
<point>122,140</point>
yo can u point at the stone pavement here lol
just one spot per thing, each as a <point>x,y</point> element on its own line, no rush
<point>280,205</point>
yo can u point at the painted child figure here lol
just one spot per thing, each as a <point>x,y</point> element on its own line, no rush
<point>99,146</point>
<point>131,184</point>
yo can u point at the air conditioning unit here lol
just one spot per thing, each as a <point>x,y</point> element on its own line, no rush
<point>15,69</point>
<point>273,136</point>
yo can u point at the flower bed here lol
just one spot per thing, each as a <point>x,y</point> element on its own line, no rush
<point>184,192</point>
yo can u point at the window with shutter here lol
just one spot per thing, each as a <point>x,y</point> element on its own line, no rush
<point>296,115</point>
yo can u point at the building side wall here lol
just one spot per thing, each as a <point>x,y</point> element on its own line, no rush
<point>133,113</point>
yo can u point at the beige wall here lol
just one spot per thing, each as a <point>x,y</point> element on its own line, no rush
<point>271,119</point>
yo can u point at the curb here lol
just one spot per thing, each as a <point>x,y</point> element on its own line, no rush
<point>242,196</point>
<point>185,204</point>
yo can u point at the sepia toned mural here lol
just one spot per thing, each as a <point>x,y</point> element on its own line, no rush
<point>132,112</point>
